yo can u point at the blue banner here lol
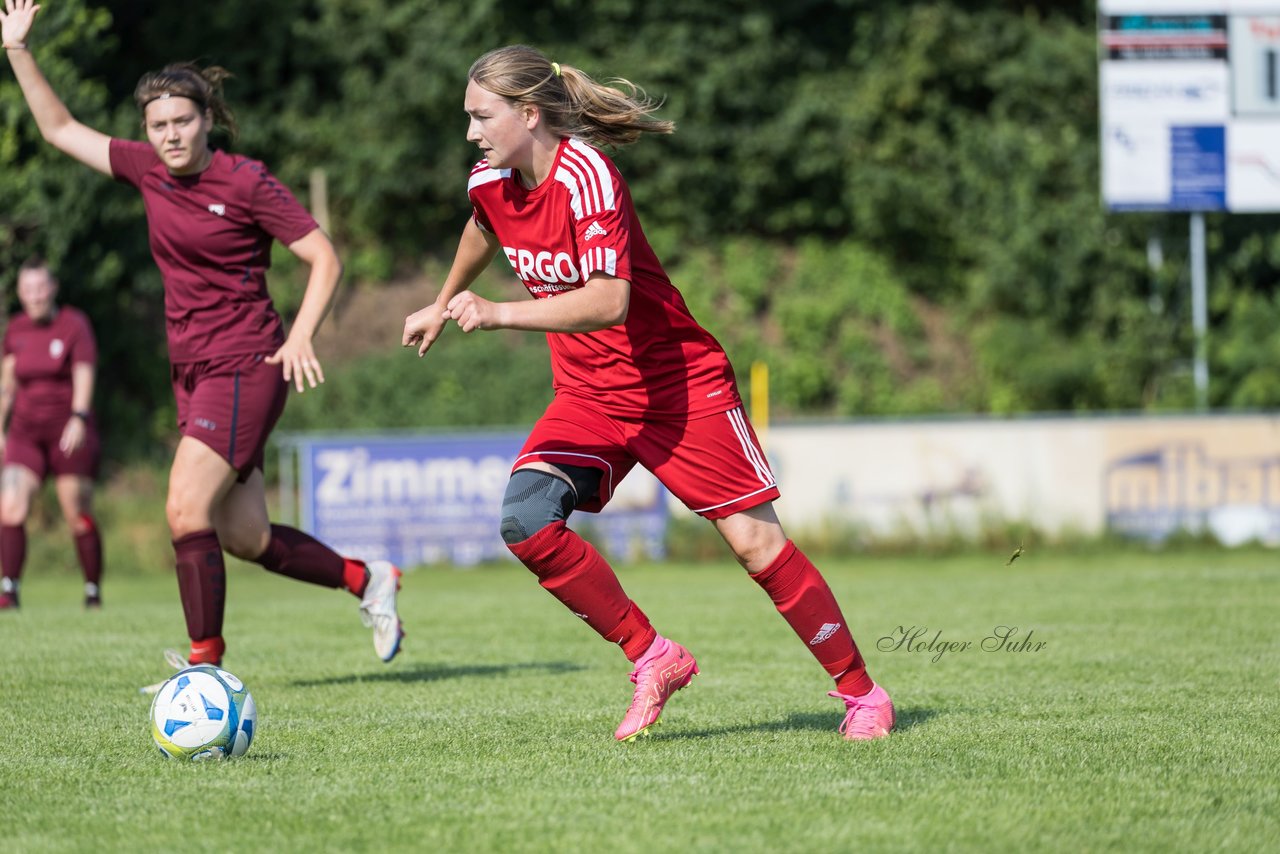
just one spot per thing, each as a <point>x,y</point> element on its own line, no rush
<point>438,499</point>
<point>1199,166</point>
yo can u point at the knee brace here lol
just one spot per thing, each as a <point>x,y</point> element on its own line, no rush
<point>534,500</point>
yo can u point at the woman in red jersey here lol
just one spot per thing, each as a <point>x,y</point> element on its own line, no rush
<point>46,394</point>
<point>636,379</point>
<point>212,217</point>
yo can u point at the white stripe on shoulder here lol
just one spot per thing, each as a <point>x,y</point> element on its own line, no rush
<point>580,185</point>
<point>480,177</point>
<point>564,176</point>
<point>595,162</point>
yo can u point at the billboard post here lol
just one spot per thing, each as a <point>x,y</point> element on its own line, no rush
<point>1199,311</point>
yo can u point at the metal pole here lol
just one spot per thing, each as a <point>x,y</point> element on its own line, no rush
<point>1199,311</point>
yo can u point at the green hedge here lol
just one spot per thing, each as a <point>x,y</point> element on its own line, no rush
<point>896,205</point>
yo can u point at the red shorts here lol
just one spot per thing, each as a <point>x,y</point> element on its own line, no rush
<point>231,404</point>
<point>35,446</point>
<point>712,463</point>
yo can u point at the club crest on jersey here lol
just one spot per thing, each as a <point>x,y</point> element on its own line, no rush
<point>220,210</point>
<point>594,230</point>
<point>56,347</point>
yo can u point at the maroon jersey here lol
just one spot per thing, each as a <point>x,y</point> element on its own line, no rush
<point>659,363</point>
<point>43,355</point>
<point>211,237</point>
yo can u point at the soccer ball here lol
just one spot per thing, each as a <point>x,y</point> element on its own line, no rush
<point>203,712</point>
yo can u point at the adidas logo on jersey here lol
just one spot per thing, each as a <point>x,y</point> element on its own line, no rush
<point>220,210</point>
<point>594,230</point>
<point>827,630</point>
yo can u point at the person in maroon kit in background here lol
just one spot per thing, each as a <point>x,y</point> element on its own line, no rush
<point>46,392</point>
<point>212,218</point>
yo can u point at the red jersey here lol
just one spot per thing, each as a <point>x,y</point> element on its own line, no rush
<point>658,363</point>
<point>211,237</point>
<point>43,355</point>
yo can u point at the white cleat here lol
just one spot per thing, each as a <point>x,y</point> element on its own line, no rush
<point>175,660</point>
<point>378,608</point>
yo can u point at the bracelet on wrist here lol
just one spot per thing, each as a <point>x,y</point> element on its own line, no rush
<point>82,414</point>
<point>16,46</point>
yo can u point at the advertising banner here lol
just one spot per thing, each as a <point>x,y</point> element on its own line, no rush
<point>438,499</point>
<point>1142,476</point>
<point>1189,101</point>
<point>1255,65</point>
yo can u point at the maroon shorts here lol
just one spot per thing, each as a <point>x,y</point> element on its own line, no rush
<point>35,446</point>
<point>230,404</point>
<point>713,463</point>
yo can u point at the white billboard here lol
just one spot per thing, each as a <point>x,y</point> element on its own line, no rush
<point>1189,95</point>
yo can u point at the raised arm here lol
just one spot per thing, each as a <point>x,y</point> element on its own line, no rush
<point>476,249</point>
<point>58,127</point>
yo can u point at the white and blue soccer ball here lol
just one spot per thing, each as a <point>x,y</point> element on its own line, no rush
<point>203,712</point>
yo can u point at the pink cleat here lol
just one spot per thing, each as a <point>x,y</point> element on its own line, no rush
<point>663,670</point>
<point>866,717</point>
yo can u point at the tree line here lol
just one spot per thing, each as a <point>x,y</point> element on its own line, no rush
<point>896,206</point>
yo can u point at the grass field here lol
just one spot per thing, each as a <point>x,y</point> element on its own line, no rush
<point>1148,721</point>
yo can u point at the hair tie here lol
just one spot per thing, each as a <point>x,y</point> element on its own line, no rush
<point>555,68</point>
<point>164,96</point>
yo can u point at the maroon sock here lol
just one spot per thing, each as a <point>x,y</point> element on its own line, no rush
<point>292,553</point>
<point>13,550</point>
<point>202,583</point>
<point>89,550</point>
<point>571,570</point>
<point>804,600</point>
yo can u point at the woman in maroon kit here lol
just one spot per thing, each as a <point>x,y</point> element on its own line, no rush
<point>46,391</point>
<point>212,218</point>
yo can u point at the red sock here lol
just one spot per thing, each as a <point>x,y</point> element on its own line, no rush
<point>804,600</point>
<point>634,634</point>
<point>202,583</point>
<point>89,550</point>
<point>355,576</point>
<point>294,554</point>
<point>207,651</point>
<point>13,550</point>
<point>572,571</point>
